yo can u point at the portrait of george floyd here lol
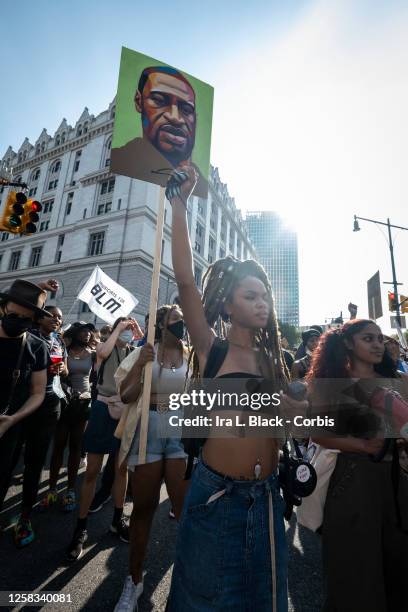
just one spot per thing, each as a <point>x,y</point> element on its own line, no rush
<point>163,118</point>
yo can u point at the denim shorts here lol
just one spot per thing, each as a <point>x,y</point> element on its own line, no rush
<point>159,445</point>
<point>223,553</point>
<point>98,436</point>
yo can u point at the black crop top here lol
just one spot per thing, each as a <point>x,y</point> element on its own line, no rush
<point>216,358</point>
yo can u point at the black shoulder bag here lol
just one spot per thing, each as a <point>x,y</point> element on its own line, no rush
<point>15,375</point>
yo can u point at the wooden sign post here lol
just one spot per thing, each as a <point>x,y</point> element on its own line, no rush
<point>144,422</point>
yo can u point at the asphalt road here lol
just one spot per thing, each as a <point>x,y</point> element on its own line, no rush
<point>95,582</point>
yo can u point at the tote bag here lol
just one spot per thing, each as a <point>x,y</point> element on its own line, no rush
<point>310,513</point>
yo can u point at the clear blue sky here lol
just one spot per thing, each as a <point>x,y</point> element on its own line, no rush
<point>309,114</point>
<point>64,55</point>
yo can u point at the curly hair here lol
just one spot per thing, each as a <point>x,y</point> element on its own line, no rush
<point>331,358</point>
<point>219,283</point>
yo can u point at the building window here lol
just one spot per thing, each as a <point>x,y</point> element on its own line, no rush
<point>104,208</point>
<point>210,259</point>
<point>14,260</point>
<point>35,175</point>
<point>56,166</point>
<point>4,236</point>
<point>52,185</point>
<point>77,160</point>
<point>120,204</point>
<point>85,127</point>
<point>44,226</point>
<point>58,257</point>
<point>61,239</point>
<point>85,307</point>
<point>222,253</point>
<point>32,192</point>
<point>35,257</point>
<point>48,206</point>
<point>1,259</point>
<point>96,242</point>
<point>57,141</point>
<point>112,114</point>
<point>107,186</point>
<point>199,230</point>
<point>79,130</point>
<point>69,203</point>
<point>63,138</point>
<point>197,247</point>
<point>211,243</point>
<point>84,213</point>
<point>197,275</point>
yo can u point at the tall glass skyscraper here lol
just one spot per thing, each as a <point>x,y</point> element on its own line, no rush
<point>277,250</point>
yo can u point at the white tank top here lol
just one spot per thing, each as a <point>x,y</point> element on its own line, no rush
<point>168,380</point>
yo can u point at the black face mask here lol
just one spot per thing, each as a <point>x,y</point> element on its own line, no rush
<point>14,325</point>
<point>177,329</point>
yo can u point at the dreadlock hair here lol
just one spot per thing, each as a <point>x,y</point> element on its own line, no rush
<point>331,358</point>
<point>219,283</point>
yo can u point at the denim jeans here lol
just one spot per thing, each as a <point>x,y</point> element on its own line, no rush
<point>223,554</point>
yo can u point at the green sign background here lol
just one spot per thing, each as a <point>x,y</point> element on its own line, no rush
<point>127,120</point>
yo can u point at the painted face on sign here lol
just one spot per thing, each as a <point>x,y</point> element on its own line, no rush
<point>167,106</point>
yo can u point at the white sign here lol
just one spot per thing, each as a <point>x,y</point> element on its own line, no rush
<point>394,323</point>
<point>106,298</point>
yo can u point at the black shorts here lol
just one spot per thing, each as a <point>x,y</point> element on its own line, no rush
<point>75,411</point>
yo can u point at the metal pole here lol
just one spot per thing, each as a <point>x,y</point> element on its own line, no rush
<point>394,276</point>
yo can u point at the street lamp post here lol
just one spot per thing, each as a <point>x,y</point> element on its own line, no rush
<point>391,247</point>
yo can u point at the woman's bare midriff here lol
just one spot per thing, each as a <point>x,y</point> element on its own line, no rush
<point>236,458</point>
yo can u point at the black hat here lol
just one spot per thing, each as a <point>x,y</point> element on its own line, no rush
<point>27,294</point>
<point>310,333</point>
<point>80,325</point>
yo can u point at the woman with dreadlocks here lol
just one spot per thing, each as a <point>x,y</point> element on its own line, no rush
<point>165,456</point>
<point>364,538</point>
<point>231,551</point>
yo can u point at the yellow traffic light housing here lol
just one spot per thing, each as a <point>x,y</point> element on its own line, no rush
<point>12,217</point>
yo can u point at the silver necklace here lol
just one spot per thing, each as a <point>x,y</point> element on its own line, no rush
<point>243,346</point>
<point>257,469</point>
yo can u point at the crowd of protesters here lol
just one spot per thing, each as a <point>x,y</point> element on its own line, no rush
<point>78,389</point>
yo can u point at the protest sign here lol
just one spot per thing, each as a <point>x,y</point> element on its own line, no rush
<point>163,118</point>
<point>106,298</point>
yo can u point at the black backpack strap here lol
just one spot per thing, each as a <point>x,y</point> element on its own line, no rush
<point>216,357</point>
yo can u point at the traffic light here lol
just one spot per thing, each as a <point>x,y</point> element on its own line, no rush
<point>404,303</point>
<point>12,218</point>
<point>31,217</point>
<point>392,302</point>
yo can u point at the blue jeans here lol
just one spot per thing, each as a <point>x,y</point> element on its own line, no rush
<point>223,554</point>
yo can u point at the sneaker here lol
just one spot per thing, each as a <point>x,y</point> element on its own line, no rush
<point>130,595</point>
<point>76,548</point>
<point>69,501</point>
<point>121,529</point>
<point>23,533</point>
<point>99,501</point>
<point>49,500</point>
<point>83,463</point>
